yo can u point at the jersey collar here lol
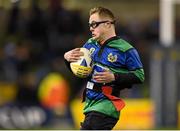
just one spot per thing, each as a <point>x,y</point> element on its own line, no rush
<point>110,39</point>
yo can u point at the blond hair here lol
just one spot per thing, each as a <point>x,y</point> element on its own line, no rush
<point>103,12</point>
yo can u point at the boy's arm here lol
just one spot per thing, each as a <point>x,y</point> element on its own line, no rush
<point>135,74</point>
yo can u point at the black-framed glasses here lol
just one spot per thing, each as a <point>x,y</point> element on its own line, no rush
<point>95,24</point>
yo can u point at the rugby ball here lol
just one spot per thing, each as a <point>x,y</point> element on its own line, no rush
<point>82,68</point>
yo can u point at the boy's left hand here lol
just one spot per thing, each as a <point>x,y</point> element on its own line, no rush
<point>104,77</point>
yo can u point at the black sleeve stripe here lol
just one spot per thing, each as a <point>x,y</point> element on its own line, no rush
<point>125,80</point>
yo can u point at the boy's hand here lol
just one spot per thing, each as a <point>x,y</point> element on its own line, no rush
<point>104,77</point>
<point>73,55</point>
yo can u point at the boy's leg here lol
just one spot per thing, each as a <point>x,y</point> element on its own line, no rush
<point>98,121</point>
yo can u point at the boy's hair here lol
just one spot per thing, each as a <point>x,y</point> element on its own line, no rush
<point>103,12</point>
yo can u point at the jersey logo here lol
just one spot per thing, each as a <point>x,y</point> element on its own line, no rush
<point>91,50</point>
<point>112,58</point>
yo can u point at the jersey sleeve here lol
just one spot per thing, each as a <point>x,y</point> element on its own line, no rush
<point>135,74</point>
<point>134,63</point>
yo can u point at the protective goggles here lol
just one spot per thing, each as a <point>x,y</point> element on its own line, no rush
<point>95,24</point>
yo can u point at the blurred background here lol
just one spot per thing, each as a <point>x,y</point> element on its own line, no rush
<point>37,91</point>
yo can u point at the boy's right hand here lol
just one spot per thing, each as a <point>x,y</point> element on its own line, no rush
<point>73,55</point>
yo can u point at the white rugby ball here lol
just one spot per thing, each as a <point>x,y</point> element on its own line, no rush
<point>82,68</point>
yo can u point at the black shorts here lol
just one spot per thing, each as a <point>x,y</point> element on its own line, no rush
<point>98,121</point>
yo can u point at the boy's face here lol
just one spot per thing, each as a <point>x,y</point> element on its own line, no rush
<point>97,27</point>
